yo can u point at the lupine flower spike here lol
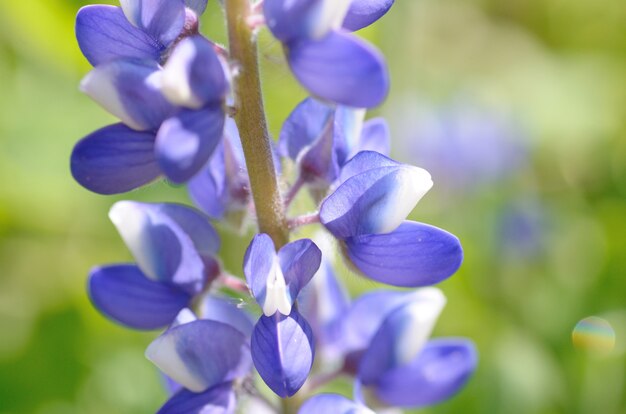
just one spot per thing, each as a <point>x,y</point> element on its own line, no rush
<point>284,314</point>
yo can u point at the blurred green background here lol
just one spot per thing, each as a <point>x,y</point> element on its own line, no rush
<point>518,107</point>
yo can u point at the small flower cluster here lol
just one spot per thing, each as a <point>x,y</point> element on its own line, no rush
<point>171,88</point>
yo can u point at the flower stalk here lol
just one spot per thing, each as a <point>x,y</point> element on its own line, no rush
<point>250,119</point>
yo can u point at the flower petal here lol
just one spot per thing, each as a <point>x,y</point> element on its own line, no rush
<point>265,276</point>
<point>124,294</point>
<point>413,255</point>
<point>104,34</point>
<point>362,13</point>
<point>194,75</point>
<point>222,186</point>
<point>160,245</point>
<point>198,6</point>
<point>283,352</point>
<point>365,161</point>
<point>374,201</point>
<point>115,159</point>
<point>220,309</point>
<point>219,399</point>
<point>127,89</point>
<point>186,141</point>
<point>332,403</point>
<point>402,334</point>
<point>163,20</point>
<point>290,20</point>
<point>324,303</point>
<point>375,137</point>
<point>348,127</point>
<point>438,372</point>
<point>341,68</point>
<point>303,126</point>
<point>201,354</point>
<point>299,261</point>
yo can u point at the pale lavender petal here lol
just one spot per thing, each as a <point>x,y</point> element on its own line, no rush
<point>402,334</point>
<point>332,403</point>
<point>221,309</point>
<point>299,261</point>
<point>374,201</point>
<point>104,34</point>
<point>124,294</point>
<point>163,20</point>
<point>186,141</point>
<point>201,354</point>
<point>219,399</point>
<point>365,161</point>
<point>362,13</point>
<point>348,127</point>
<point>318,162</point>
<point>115,159</point>
<point>341,68</point>
<point>283,352</point>
<point>161,247</point>
<point>303,126</point>
<point>194,75</point>
<point>441,370</point>
<point>375,137</point>
<point>127,89</point>
<point>413,255</point>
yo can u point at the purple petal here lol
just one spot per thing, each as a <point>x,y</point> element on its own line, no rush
<point>289,20</point>
<point>104,34</point>
<point>124,294</point>
<point>299,261</point>
<point>341,68</point>
<point>402,334</point>
<point>367,314</point>
<point>126,88</point>
<point>186,141</point>
<point>160,245</point>
<point>283,352</point>
<point>375,137</point>
<point>115,159</point>
<point>303,126</point>
<point>332,403</point>
<point>362,13</point>
<point>194,75</point>
<point>348,127</point>
<point>201,354</point>
<point>374,201</point>
<point>318,162</point>
<point>413,255</point>
<point>365,161</point>
<point>324,303</point>
<point>198,6</point>
<point>219,399</point>
<point>194,224</point>
<point>163,20</point>
<point>223,310</point>
<point>259,265</point>
<point>439,371</point>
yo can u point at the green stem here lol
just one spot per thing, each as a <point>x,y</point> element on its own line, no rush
<point>250,119</point>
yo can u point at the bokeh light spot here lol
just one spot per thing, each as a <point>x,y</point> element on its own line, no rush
<point>594,334</point>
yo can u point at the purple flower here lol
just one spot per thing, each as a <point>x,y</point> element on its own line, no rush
<point>321,139</point>
<point>332,64</point>
<point>386,342</point>
<point>173,116</point>
<point>174,248</point>
<point>282,341</point>
<point>204,356</point>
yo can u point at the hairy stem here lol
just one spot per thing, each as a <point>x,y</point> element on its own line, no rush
<point>250,119</point>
